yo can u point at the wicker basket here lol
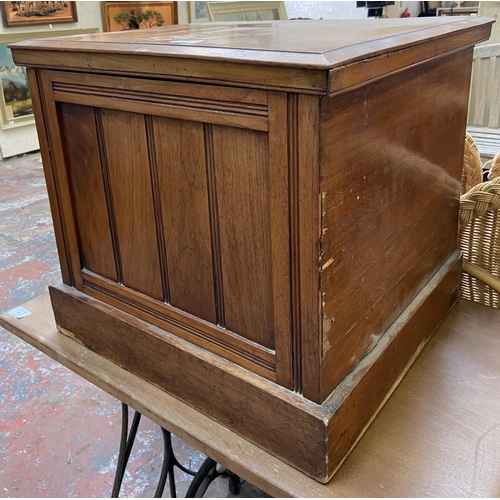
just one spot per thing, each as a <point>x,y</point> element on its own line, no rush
<point>472,172</point>
<point>479,239</point>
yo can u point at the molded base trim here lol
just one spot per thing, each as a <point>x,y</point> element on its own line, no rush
<point>314,438</point>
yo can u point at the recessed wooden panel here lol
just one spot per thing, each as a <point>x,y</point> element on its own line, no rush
<point>181,169</point>
<point>126,151</point>
<point>88,195</point>
<point>242,184</point>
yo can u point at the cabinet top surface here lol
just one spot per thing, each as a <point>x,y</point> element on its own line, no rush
<point>300,43</point>
<point>318,57</point>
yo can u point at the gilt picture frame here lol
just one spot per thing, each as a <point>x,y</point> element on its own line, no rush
<point>32,13</point>
<point>124,16</point>
<point>246,11</point>
<point>16,108</point>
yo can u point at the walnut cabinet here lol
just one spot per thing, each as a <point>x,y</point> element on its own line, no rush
<point>260,218</point>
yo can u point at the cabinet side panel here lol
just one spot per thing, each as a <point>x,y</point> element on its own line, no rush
<point>87,186</point>
<point>242,185</point>
<point>42,127</point>
<point>180,158</point>
<point>126,151</point>
<point>391,166</point>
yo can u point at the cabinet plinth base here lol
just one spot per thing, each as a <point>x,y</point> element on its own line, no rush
<point>313,438</point>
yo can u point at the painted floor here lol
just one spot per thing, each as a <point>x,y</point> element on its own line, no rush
<point>59,434</point>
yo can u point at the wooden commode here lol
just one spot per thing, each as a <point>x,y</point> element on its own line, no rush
<point>259,218</point>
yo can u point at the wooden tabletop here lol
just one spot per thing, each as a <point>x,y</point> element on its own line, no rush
<point>437,435</point>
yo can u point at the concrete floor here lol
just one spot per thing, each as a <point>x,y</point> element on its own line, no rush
<point>59,435</point>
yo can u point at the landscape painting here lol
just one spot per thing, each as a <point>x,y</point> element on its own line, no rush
<point>15,106</point>
<point>26,13</point>
<point>123,16</point>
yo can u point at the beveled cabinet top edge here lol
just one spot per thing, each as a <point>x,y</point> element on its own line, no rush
<point>304,44</point>
<point>302,49</point>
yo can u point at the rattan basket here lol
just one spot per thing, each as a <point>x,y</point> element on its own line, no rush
<point>479,238</point>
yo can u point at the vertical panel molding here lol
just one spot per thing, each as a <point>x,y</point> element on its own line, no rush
<point>279,194</point>
<point>155,188</point>
<point>293,162</point>
<point>109,194</point>
<point>214,225</point>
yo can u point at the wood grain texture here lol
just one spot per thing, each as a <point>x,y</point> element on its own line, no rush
<point>223,342</point>
<point>242,179</point>
<point>55,202</point>
<point>184,204</point>
<point>301,53</point>
<point>310,44</point>
<point>389,201</point>
<point>435,437</point>
<point>228,386</point>
<point>178,69</point>
<point>213,210</point>
<point>284,423</point>
<point>59,174</point>
<point>136,151</point>
<point>308,233</point>
<point>128,162</point>
<point>344,78</point>
<point>356,404</point>
<point>279,183</point>
<point>237,108</point>
<point>87,189</point>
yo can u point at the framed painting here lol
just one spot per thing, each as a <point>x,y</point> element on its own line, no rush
<point>198,12</point>
<point>27,13</point>
<point>246,11</point>
<point>16,108</point>
<point>123,16</point>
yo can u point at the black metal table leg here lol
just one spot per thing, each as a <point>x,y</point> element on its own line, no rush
<point>202,479</point>
<point>169,462</point>
<point>126,443</point>
<point>206,474</point>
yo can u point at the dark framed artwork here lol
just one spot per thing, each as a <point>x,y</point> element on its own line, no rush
<point>27,13</point>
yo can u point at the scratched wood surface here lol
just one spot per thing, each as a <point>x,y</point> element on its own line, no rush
<point>393,186</point>
<point>286,54</point>
<point>437,436</point>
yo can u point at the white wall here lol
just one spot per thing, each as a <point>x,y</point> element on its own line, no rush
<point>325,10</point>
<point>20,140</point>
<point>309,9</point>
<point>183,12</point>
<point>491,9</point>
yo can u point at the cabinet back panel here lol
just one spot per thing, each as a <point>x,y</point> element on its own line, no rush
<point>87,189</point>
